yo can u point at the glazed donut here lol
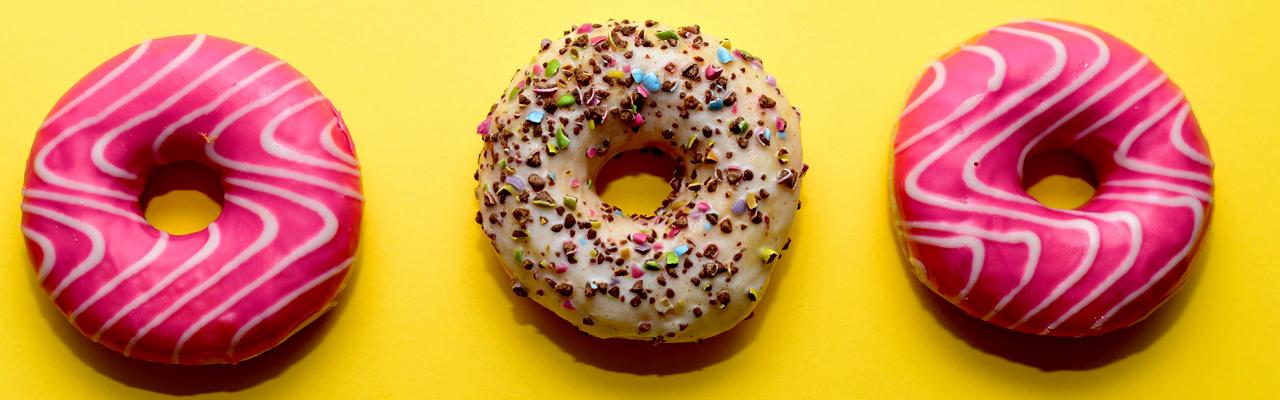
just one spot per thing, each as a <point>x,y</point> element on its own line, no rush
<point>978,239</point>
<point>698,264</point>
<point>276,256</point>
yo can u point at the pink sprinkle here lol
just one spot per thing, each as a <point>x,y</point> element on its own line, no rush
<point>643,92</point>
<point>521,83</point>
<point>639,237</point>
<point>657,246</point>
<point>639,120</point>
<point>584,28</point>
<point>713,72</point>
<point>780,123</point>
<point>591,153</point>
<point>561,268</point>
<point>575,183</point>
<point>626,69</point>
<point>636,272</point>
<point>537,70</point>
<point>771,81</point>
<point>673,232</point>
<point>483,128</point>
<point>735,108</point>
<point>568,305</point>
<point>703,206</point>
<point>738,54</point>
<point>596,40</point>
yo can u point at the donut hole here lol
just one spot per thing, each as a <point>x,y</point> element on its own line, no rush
<point>636,180</point>
<point>182,197</point>
<point>1059,179</point>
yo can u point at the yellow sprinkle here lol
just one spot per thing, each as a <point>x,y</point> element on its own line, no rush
<point>615,73</point>
<point>751,201</point>
<point>726,44</point>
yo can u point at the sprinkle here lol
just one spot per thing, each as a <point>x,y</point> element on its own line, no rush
<point>636,272</point>
<point>715,105</point>
<point>753,295</point>
<point>553,67</point>
<point>768,255</point>
<point>726,44</point>
<point>562,140</point>
<point>782,134</point>
<point>637,75</point>
<point>643,91</point>
<point>771,81</point>
<point>514,92</point>
<point>739,207</point>
<point>575,183</point>
<point>667,35</point>
<point>591,153</point>
<point>508,188</point>
<point>543,202</point>
<point>570,202</point>
<point>584,28</point>
<point>515,181</point>
<point>568,305</point>
<point>639,237</point>
<point>596,40</point>
<point>637,121</point>
<point>535,116</point>
<point>502,163</point>
<point>780,123</point>
<point>546,43</point>
<point>713,72</point>
<point>519,255</point>
<point>552,148</point>
<point>652,82</point>
<point>672,258</point>
<point>723,55</point>
<point>682,249</point>
<point>652,265</point>
<point>615,73</point>
<point>704,206</point>
<point>483,128</point>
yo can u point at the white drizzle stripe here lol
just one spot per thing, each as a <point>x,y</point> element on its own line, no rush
<point>1175,136</point>
<point>1126,105</point>
<point>83,202</point>
<point>211,244</point>
<point>963,109</point>
<point>939,79</point>
<point>283,302</point>
<point>326,233</point>
<point>41,169</point>
<point>326,141</point>
<point>1161,185</point>
<point>256,104</point>
<point>48,256</point>
<point>977,259</point>
<point>1122,153</point>
<point>269,143</point>
<point>997,62</point>
<point>98,152</point>
<point>1197,211</point>
<point>106,79</point>
<point>1026,238</point>
<point>207,108</point>
<point>1135,244</point>
<point>270,229</point>
<point>151,255</point>
<point>97,246</point>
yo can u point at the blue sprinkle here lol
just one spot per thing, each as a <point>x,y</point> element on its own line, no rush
<point>652,82</point>
<point>715,105</point>
<point>637,75</point>
<point>684,248</point>
<point>552,176</point>
<point>535,116</point>
<point>706,225</point>
<point>768,133</point>
<point>582,240</point>
<point>617,212</point>
<point>724,55</point>
<point>782,134</point>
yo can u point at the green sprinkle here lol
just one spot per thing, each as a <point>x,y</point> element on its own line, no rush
<point>543,203</point>
<point>552,68</point>
<point>667,35</point>
<point>502,163</point>
<point>570,202</point>
<point>508,188</point>
<point>562,140</point>
<point>514,92</point>
<point>768,255</point>
<point>565,100</point>
<point>519,256</point>
<point>744,126</point>
<point>551,148</point>
<point>652,265</point>
<point>672,258</point>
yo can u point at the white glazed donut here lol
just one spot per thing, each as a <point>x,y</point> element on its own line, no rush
<point>699,264</point>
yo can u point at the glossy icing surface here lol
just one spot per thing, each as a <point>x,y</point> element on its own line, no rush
<point>697,265</point>
<point>272,261</point>
<point>975,236</point>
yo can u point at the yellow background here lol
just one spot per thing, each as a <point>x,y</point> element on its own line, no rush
<point>429,312</point>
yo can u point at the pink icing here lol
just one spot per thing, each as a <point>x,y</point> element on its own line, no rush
<point>978,239</point>
<point>271,262</point>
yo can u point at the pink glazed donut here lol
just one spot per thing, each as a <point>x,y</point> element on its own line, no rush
<point>274,259</point>
<point>975,236</point>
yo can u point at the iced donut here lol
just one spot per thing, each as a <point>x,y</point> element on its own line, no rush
<point>977,238</point>
<point>696,266</point>
<point>272,261</point>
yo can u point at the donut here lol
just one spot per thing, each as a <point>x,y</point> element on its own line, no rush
<point>1028,89</point>
<point>272,261</point>
<point>698,264</point>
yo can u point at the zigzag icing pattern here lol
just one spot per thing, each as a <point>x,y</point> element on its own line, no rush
<point>273,260</point>
<point>978,239</point>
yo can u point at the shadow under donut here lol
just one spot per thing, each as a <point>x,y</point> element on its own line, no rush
<point>633,356</point>
<point>1048,353</point>
<point>189,380</point>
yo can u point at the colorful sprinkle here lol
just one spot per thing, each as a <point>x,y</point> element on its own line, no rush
<point>780,124</point>
<point>636,272</point>
<point>724,55</point>
<point>568,305</point>
<point>596,40</point>
<point>751,200</point>
<point>637,75</point>
<point>652,265</point>
<point>640,237</point>
<point>652,82</point>
<point>562,268</point>
<point>753,295</point>
<point>570,202</point>
<point>562,140</point>
<point>615,73</point>
<point>672,258</point>
<point>771,81</point>
<point>553,67</point>
<point>768,255</point>
<point>535,116</point>
<point>725,43</point>
<point>483,128</point>
<point>584,28</point>
<point>515,181</point>
<point>682,250</point>
<point>739,207</point>
<point>637,121</point>
<point>715,105</point>
<point>713,72</point>
<point>667,35</point>
<point>519,255</point>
